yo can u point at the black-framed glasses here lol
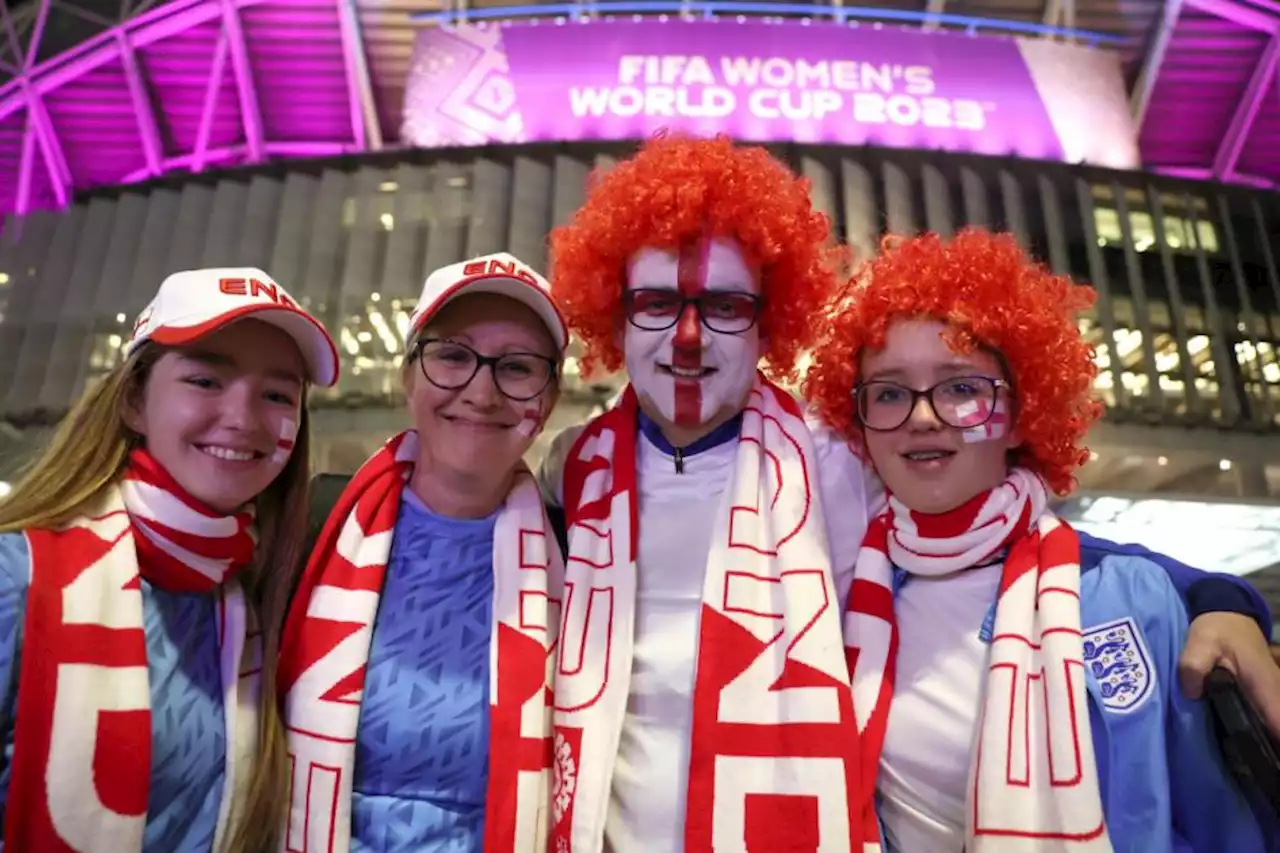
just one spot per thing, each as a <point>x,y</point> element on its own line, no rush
<point>960,402</point>
<point>451,366</point>
<point>654,309</point>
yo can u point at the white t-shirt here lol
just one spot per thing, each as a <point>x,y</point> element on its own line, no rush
<point>924,765</point>
<point>678,512</point>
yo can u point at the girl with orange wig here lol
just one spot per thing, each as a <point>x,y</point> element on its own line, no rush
<point>1015,682</point>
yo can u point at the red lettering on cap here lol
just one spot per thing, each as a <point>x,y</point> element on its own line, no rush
<point>255,288</point>
<point>511,269</point>
<point>142,320</point>
<point>474,268</point>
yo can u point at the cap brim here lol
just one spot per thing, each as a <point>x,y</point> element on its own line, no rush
<point>512,288</point>
<point>317,348</point>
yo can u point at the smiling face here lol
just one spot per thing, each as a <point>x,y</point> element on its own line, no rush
<point>929,466</point>
<point>690,378</point>
<point>476,432</point>
<point>220,415</point>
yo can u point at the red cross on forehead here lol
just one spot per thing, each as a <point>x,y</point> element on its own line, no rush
<point>693,266</point>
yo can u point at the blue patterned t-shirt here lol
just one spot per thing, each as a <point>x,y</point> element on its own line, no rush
<point>188,736</point>
<point>422,748</point>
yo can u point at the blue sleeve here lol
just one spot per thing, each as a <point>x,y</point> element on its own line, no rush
<point>14,577</point>
<point>1208,811</point>
<point>1202,592</point>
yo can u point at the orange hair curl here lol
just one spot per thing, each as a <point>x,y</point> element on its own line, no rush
<point>678,188</point>
<point>995,297</point>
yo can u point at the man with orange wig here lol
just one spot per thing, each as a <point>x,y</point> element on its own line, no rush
<point>702,700</point>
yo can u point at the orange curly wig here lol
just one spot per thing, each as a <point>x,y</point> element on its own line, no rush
<point>996,297</point>
<point>678,188</point>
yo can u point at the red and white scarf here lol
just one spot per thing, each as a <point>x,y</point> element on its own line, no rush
<point>82,751</point>
<point>773,746</point>
<point>324,657</point>
<point>1033,777</point>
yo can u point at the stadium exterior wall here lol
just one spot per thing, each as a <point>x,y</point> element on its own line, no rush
<point>1187,323</point>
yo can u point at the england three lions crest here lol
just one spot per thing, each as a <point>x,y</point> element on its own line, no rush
<point>1119,662</point>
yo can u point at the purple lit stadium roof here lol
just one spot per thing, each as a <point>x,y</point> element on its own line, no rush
<point>104,92</point>
<point>186,86</point>
<point>1214,100</point>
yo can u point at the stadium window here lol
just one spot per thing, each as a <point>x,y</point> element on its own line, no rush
<point>1180,233</point>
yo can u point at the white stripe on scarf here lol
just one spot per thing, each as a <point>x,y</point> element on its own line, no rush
<point>768,604</point>
<point>1044,797</point>
<point>342,586</point>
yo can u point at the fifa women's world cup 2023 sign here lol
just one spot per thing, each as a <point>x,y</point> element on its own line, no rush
<point>761,81</point>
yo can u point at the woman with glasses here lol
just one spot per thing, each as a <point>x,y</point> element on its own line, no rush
<point>414,659</point>
<point>1016,687</point>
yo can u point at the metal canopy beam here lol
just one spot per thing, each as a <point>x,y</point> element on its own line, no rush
<point>1145,85</point>
<point>365,126</point>
<point>1246,112</point>
<point>250,113</point>
<point>933,9</point>
<point>1060,13</point>
<point>54,158</point>
<point>37,33</point>
<point>1245,15</point>
<point>209,107</point>
<point>148,129</point>
<point>11,34</point>
<point>26,169</point>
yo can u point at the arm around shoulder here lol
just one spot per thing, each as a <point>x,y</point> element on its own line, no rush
<point>1202,591</point>
<point>1208,812</point>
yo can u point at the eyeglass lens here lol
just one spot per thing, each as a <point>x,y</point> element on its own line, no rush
<point>728,312</point>
<point>518,375</point>
<point>960,402</point>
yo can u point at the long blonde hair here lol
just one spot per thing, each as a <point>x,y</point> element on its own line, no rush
<point>86,457</point>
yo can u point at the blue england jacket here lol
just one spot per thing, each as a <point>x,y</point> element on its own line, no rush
<point>1164,784</point>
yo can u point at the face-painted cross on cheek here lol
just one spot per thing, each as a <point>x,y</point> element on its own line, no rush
<point>984,428</point>
<point>532,421</point>
<point>686,350</point>
<point>284,447</point>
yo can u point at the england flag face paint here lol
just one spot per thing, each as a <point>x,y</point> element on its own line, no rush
<point>689,372</point>
<point>984,429</point>
<point>531,423</point>
<point>284,447</point>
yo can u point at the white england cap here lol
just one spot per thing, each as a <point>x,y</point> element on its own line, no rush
<point>501,273</point>
<point>194,303</point>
